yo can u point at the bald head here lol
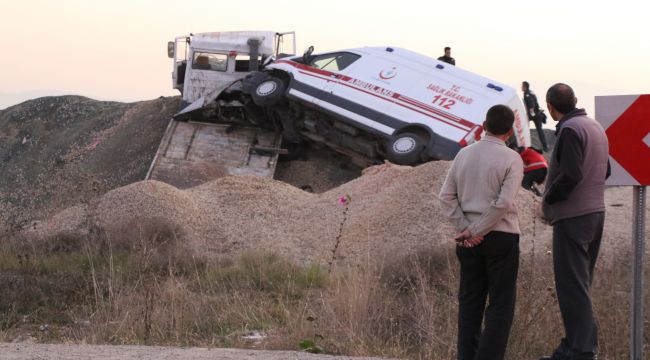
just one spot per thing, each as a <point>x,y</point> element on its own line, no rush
<point>561,97</point>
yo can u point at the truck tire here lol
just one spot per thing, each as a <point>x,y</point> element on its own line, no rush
<point>405,148</point>
<point>268,92</point>
<point>252,80</point>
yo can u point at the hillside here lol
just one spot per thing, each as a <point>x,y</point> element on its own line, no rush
<point>59,151</point>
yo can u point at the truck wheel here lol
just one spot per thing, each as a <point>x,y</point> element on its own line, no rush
<point>252,80</point>
<point>268,92</point>
<point>405,149</point>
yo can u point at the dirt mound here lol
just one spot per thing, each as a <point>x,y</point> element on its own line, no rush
<point>319,169</point>
<point>60,151</point>
<point>392,212</point>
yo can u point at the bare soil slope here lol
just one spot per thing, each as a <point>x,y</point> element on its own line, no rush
<point>60,151</point>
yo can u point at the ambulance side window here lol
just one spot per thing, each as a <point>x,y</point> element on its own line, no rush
<point>334,62</point>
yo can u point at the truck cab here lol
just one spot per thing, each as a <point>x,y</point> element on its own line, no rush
<point>207,67</point>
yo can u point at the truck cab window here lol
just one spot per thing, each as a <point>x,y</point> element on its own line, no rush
<point>334,62</point>
<point>208,61</point>
<point>242,62</point>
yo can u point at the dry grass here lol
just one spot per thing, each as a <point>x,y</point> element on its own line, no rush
<point>144,287</point>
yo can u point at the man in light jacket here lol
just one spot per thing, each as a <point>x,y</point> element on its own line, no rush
<point>478,197</point>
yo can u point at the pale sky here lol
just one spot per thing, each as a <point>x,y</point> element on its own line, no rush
<point>116,50</point>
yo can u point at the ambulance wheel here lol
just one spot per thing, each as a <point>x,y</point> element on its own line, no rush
<point>268,92</point>
<point>405,148</point>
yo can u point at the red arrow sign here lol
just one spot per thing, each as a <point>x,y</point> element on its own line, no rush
<point>626,143</point>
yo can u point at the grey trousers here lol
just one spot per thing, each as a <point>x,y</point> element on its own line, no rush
<point>576,242</point>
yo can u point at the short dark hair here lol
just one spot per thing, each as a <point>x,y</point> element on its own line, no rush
<point>562,98</point>
<point>499,120</point>
<point>447,48</point>
<point>526,84</point>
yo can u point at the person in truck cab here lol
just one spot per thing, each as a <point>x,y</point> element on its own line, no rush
<point>447,57</point>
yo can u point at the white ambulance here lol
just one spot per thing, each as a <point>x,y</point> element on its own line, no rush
<point>382,103</point>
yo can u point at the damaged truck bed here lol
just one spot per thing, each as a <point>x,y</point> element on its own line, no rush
<point>192,153</point>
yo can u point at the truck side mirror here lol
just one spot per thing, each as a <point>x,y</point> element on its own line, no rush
<point>170,49</point>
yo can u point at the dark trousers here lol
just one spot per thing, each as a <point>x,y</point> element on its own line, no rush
<point>534,176</point>
<point>576,242</point>
<point>540,133</point>
<point>487,271</point>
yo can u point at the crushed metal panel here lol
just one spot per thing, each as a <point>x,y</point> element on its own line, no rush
<point>235,41</point>
<point>198,104</point>
<point>193,153</point>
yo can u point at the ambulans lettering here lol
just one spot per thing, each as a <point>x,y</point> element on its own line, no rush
<point>370,87</point>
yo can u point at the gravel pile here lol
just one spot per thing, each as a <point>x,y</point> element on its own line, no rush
<point>393,213</point>
<point>320,169</point>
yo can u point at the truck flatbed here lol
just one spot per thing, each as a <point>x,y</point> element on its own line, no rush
<point>192,153</point>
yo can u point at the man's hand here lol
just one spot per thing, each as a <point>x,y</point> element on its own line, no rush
<point>467,240</point>
<point>463,235</point>
<point>471,242</point>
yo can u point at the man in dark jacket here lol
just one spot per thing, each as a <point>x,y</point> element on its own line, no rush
<point>574,204</point>
<point>447,57</point>
<point>534,112</point>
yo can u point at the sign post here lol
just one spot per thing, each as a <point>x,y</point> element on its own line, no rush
<point>637,289</point>
<point>626,120</point>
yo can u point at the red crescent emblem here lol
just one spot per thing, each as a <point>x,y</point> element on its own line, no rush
<point>388,73</point>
